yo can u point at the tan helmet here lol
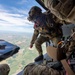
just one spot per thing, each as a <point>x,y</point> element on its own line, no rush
<point>35,10</point>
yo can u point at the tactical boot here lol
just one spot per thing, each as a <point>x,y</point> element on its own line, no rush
<point>40,57</point>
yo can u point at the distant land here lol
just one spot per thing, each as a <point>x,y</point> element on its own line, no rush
<point>14,32</point>
<point>25,55</point>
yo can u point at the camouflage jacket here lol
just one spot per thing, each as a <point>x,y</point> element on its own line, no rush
<point>46,27</point>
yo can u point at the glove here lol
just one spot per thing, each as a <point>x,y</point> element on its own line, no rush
<point>31,45</point>
<point>61,54</point>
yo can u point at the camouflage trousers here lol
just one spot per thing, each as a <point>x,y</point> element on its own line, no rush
<point>35,69</point>
<point>4,69</point>
<point>41,39</point>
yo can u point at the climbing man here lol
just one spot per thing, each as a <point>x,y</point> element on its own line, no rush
<point>45,29</point>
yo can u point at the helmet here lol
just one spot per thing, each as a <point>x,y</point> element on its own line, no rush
<point>35,10</point>
<point>4,69</point>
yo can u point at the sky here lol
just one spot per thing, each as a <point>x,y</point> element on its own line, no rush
<point>13,15</point>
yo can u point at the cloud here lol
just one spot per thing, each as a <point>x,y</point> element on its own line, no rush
<point>10,21</point>
<point>22,2</point>
<point>20,10</point>
<point>16,29</point>
<point>14,19</point>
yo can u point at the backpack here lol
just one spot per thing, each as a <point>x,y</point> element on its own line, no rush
<point>53,26</point>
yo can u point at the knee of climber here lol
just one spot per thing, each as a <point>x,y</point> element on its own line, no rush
<point>38,47</point>
<point>37,44</point>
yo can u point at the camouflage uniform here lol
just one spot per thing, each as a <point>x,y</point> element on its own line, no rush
<point>43,37</point>
<point>62,9</point>
<point>4,69</point>
<point>43,69</point>
<point>44,25</point>
<point>35,69</point>
<point>40,40</point>
<point>47,32</point>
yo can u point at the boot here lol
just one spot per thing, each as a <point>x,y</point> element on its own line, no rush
<point>40,57</point>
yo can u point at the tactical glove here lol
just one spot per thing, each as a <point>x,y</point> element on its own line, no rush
<point>61,54</point>
<point>31,45</point>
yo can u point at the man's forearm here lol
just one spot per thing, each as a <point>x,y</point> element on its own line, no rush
<point>34,37</point>
<point>67,67</point>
